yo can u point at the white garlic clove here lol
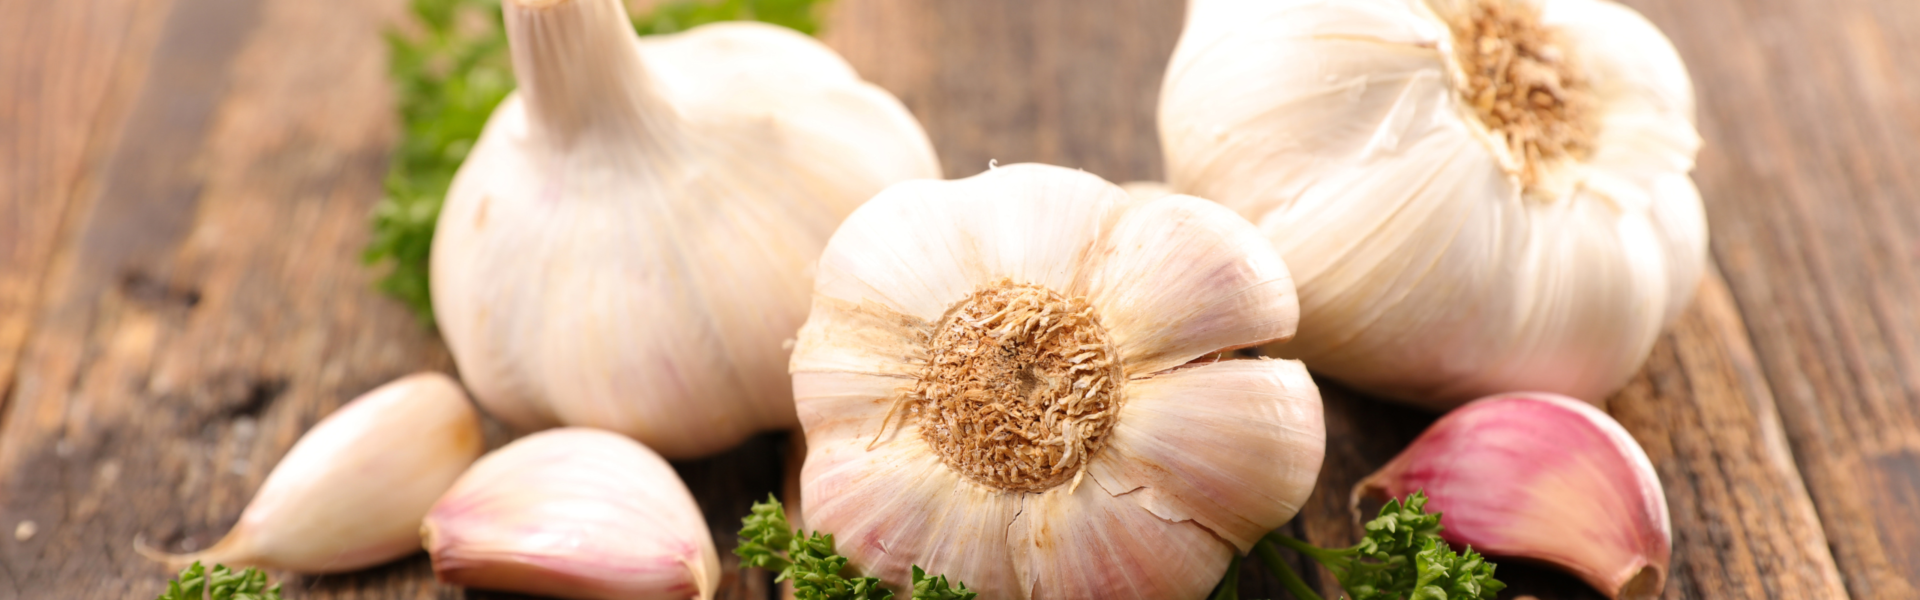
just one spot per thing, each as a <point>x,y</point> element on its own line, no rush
<point>1159,327</point>
<point>998,384</point>
<point>1544,255</point>
<point>573,513</point>
<point>631,240</point>
<point>351,492</point>
<point>1544,478</point>
<point>1145,191</point>
<point>1233,445</point>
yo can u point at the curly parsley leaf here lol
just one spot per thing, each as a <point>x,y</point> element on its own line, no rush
<point>448,76</point>
<point>197,583</point>
<point>813,567</point>
<point>936,588</point>
<point>1401,558</point>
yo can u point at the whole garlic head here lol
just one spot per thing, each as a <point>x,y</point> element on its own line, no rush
<point>1475,196</point>
<point>1014,380</point>
<point>628,245</point>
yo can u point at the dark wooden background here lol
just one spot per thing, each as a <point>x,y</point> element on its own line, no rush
<point>185,187</point>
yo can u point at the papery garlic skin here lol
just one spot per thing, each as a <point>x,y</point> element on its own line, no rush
<point>351,492</point>
<point>628,246</point>
<point>1196,460</point>
<point>573,513</point>
<point>1541,477</point>
<point>1434,264</point>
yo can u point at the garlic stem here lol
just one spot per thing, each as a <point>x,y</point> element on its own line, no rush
<point>1230,585</point>
<point>1279,566</point>
<point>580,74</point>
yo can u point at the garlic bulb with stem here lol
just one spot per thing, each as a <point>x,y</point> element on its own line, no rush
<point>1017,380</point>
<point>1541,477</point>
<point>573,513</point>
<point>628,244</point>
<point>351,492</point>
<point>1475,196</point>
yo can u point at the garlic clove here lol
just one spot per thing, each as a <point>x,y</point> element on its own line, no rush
<point>352,490</point>
<point>589,267</point>
<point>894,505</point>
<point>1145,191</point>
<point>1087,543</point>
<point>1240,294</point>
<point>1541,477</point>
<point>1210,444</point>
<point>746,71</point>
<point>920,244</point>
<point>573,513</point>
<point>1646,139</point>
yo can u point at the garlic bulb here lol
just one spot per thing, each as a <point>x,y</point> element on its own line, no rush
<point>351,492</point>
<point>628,244</point>
<point>573,513</point>
<point>1541,477</point>
<point>1014,380</point>
<point>1475,196</point>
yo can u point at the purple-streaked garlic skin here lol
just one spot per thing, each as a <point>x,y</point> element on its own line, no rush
<point>350,493</point>
<point>1544,478</point>
<point>573,513</point>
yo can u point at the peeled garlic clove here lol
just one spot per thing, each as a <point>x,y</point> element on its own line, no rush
<point>573,513</point>
<point>1541,477</point>
<point>1532,230</point>
<point>351,492</point>
<point>630,242</point>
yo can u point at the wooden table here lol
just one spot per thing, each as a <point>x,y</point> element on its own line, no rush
<point>185,186</point>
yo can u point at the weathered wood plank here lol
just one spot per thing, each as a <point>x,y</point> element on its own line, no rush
<point>210,307</point>
<point>66,70</point>
<point>1744,525</point>
<point>1059,82</point>
<point>1811,173</point>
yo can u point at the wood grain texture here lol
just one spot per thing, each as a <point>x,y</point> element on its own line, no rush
<point>1054,81</point>
<point>187,187</point>
<point>65,69</point>
<point>1811,174</point>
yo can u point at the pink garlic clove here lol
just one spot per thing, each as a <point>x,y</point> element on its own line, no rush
<point>573,513</point>
<point>1545,478</point>
<point>351,492</point>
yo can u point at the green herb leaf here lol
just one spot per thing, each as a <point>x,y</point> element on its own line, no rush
<point>813,566</point>
<point>448,77</point>
<point>1401,558</point>
<point>196,583</point>
<point>935,588</point>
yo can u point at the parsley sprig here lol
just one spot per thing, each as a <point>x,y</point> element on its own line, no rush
<point>1401,558</point>
<point>448,75</point>
<point>811,564</point>
<point>196,583</point>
